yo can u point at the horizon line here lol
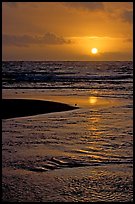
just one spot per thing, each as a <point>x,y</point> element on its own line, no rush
<point>67,60</point>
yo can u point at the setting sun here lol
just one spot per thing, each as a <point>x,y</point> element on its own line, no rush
<point>94,50</point>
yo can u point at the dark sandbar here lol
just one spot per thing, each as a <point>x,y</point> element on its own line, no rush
<point>12,108</point>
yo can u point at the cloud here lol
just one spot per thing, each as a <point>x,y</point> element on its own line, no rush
<point>128,40</point>
<point>127,16</point>
<point>110,56</point>
<point>117,55</point>
<point>89,6</point>
<point>11,4</point>
<point>26,40</point>
<point>20,4</point>
<point>51,38</point>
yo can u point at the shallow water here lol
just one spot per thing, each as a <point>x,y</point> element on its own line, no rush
<point>97,135</point>
<point>80,155</point>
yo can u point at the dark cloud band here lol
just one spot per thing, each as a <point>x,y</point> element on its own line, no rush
<point>90,6</point>
<point>127,16</point>
<point>26,40</point>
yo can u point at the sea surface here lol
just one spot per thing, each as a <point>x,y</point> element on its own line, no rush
<point>92,144</point>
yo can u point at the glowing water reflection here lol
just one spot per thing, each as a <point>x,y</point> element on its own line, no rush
<point>92,99</point>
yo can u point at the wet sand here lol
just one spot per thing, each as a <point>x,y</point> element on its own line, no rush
<point>54,158</point>
<point>82,184</point>
<point>12,108</point>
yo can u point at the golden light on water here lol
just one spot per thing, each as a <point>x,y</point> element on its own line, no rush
<point>92,99</point>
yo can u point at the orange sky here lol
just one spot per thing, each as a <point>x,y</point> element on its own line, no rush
<point>67,30</point>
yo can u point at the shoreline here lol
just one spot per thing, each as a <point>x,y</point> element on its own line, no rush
<point>12,108</point>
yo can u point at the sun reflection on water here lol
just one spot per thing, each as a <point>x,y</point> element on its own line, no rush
<point>92,99</point>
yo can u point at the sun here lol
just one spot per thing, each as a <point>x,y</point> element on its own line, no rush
<point>94,50</point>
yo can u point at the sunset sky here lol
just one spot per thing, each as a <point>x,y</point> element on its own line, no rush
<point>67,30</point>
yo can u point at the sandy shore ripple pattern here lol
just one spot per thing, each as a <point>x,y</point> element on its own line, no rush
<point>54,163</point>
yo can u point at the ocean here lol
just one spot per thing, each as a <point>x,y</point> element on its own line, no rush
<point>87,153</point>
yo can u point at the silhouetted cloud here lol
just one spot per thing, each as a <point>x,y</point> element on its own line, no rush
<point>90,6</point>
<point>26,40</point>
<point>20,4</point>
<point>108,56</point>
<point>127,16</point>
<point>11,4</point>
<point>128,40</point>
<point>117,55</point>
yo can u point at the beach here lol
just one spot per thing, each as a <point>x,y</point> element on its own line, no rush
<point>67,102</point>
<point>82,184</point>
<point>66,156</point>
